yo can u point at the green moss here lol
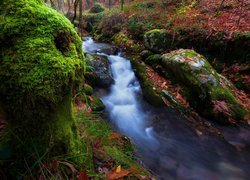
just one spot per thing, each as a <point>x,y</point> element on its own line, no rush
<point>96,133</point>
<point>150,94</point>
<point>97,105</point>
<point>88,89</point>
<point>41,61</point>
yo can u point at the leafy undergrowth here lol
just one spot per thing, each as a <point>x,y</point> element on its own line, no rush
<point>107,154</point>
<point>232,15</point>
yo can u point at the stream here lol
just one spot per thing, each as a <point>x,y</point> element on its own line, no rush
<point>168,147</point>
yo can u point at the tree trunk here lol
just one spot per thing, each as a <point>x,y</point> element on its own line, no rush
<point>80,16</point>
<point>122,3</point>
<point>75,10</point>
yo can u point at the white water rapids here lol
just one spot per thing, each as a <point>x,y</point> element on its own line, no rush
<point>122,101</point>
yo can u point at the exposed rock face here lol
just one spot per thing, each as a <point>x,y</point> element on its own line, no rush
<point>208,91</point>
<point>157,40</point>
<point>109,50</point>
<point>101,68</point>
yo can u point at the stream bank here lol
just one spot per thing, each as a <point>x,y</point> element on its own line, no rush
<point>166,143</point>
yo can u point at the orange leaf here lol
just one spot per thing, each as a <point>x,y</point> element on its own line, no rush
<point>117,173</point>
<point>115,136</point>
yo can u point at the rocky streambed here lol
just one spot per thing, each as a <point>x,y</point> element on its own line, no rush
<point>166,142</point>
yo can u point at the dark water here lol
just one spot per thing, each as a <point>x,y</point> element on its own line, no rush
<point>164,142</point>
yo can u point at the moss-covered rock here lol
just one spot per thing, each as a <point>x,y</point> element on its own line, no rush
<point>41,61</point>
<point>88,89</point>
<point>145,54</point>
<point>151,95</point>
<point>153,60</point>
<point>97,105</point>
<point>208,91</point>
<point>157,40</point>
<point>97,8</point>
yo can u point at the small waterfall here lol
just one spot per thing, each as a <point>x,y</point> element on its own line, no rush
<point>122,101</point>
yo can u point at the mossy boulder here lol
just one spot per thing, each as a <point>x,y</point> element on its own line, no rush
<point>157,40</point>
<point>97,105</point>
<point>145,54</point>
<point>209,92</point>
<point>101,71</point>
<point>88,89</point>
<point>41,62</point>
<point>97,8</point>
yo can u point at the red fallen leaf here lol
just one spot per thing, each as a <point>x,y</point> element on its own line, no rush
<point>117,173</point>
<point>82,176</point>
<point>115,136</point>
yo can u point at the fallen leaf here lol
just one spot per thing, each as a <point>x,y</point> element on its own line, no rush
<point>115,136</point>
<point>117,173</point>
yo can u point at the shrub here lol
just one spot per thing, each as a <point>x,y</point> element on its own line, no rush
<point>112,24</point>
<point>137,26</point>
<point>97,8</point>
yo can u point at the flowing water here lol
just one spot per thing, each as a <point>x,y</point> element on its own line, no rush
<point>168,147</point>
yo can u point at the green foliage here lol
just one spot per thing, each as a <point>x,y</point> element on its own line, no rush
<point>144,5</point>
<point>137,26</point>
